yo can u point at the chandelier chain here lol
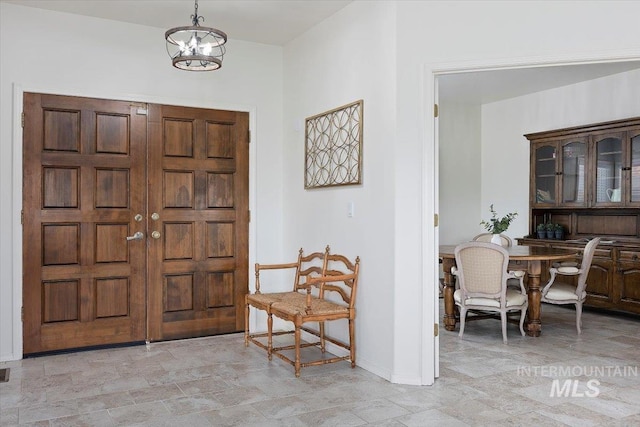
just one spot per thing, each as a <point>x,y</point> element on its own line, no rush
<point>195,19</point>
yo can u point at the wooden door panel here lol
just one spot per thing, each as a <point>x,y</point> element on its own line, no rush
<point>90,166</point>
<point>84,180</point>
<point>198,267</point>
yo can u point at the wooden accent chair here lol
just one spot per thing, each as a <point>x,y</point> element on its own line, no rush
<point>556,292</point>
<point>306,267</point>
<point>481,270</point>
<point>330,297</point>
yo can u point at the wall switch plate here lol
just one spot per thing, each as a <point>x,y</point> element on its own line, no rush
<point>350,209</point>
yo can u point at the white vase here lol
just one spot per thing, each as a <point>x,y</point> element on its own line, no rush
<point>495,238</point>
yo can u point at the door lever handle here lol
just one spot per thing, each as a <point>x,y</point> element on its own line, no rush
<point>139,235</point>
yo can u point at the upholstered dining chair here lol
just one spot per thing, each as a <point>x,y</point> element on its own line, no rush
<point>507,243</point>
<point>481,270</point>
<point>486,237</point>
<point>558,292</point>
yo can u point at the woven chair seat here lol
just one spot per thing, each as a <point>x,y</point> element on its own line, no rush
<point>294,306</point>
<point>269,298</point>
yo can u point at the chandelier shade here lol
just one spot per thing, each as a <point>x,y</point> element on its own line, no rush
<point>196,48</point>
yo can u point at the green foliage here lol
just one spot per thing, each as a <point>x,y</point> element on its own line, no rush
<point>498,225</point>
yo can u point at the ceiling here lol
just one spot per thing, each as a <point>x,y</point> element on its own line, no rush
<point>261,21</point>
<point>481,87</point>
<point>278,22</point>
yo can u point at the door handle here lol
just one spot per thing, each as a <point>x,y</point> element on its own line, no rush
<point>139,235</point>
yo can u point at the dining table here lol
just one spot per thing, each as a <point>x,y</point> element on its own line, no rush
<point>528,258</point>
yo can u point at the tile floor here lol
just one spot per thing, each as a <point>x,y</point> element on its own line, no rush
<point>216,381</point>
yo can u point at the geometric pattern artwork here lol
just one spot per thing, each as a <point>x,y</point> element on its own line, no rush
<point>333,147</point>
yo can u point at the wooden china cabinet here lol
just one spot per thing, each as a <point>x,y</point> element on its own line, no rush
<point>587,179</point>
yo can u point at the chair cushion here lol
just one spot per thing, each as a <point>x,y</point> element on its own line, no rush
<point>570,270</point>
<point>561,292</point>
<point>514,298</point>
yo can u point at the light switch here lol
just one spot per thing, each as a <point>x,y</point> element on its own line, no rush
<point>350,209</point>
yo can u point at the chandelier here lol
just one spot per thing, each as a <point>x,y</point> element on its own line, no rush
<point>196,48</point>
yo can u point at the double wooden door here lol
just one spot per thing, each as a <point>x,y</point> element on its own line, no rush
<point>135,222</point>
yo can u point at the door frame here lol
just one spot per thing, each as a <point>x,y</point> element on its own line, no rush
<point>16,196</point>
<point>430,71</point>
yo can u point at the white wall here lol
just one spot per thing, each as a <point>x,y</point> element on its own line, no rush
<point>504,124</point>
<point>69,54</point>
<point>344,59</point>
<point>460,171</point>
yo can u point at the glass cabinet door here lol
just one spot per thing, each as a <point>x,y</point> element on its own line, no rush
<point>545,174</point>
<point>609,159</point>
<point>574,156</point>
<point>635,168</point>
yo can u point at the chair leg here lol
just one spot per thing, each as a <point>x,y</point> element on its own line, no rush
<point>503,322</point>
<point>246,325</point>
<point>463,317</point>
<point>297,338</point>
<point>579,317</point>
<point>269,335</point>
<point>322,343</point>
<point>352,342</point>
<point>523,314</point>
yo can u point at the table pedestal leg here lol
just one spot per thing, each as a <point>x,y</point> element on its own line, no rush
<point>449,288</point>
<point>533,326</point>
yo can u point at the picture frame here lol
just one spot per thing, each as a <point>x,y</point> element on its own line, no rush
<point>333,147</point>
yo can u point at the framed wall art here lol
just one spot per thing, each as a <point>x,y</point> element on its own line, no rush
<point>333,147</point>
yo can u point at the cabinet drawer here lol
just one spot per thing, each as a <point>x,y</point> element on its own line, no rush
<point>599,253</point>
<point>602,253</point>
<point>633,256</point>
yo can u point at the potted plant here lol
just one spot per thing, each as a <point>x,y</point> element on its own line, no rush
<point>551,230</point>
<point>558,231</point>
<point>541,231</point>
<point>496,225</point>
